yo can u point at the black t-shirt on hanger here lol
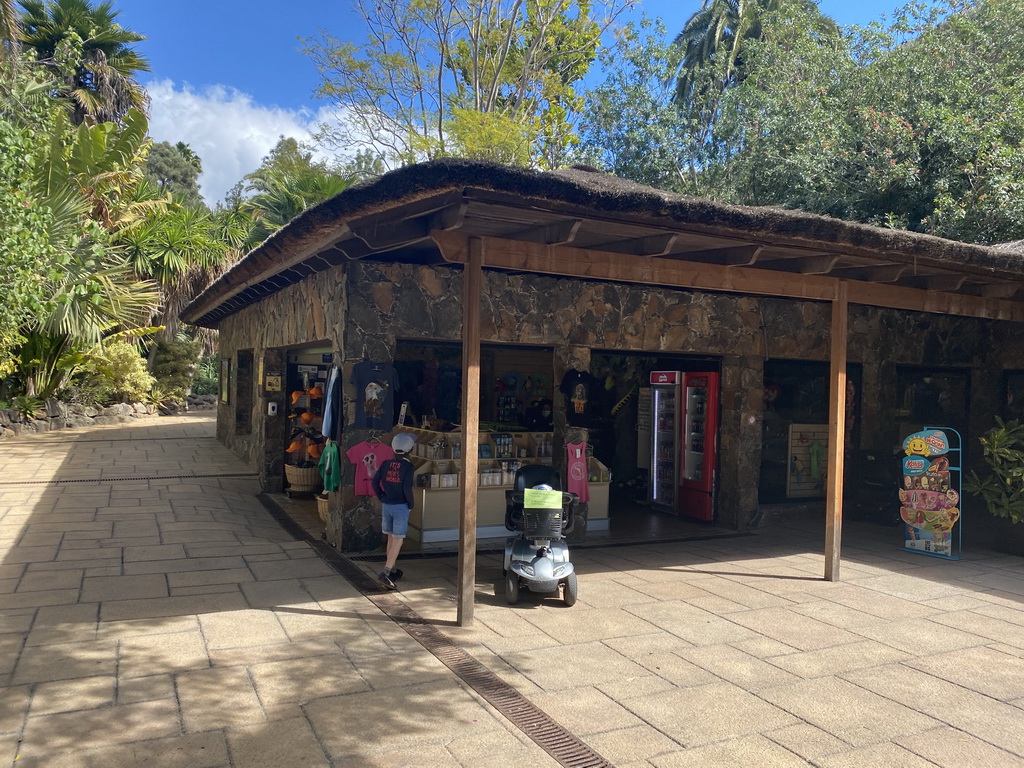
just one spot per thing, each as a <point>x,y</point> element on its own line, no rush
<point>578,386</point>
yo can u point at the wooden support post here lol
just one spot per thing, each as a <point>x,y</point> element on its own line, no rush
<point>836,432</point>
<point>472,277</point>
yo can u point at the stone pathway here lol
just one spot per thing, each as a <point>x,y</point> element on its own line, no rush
<point>172,621</point>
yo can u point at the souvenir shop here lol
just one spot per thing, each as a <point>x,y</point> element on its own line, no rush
<point>693,354</point>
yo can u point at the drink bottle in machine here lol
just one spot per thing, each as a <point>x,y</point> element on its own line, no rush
<point>684,442</point>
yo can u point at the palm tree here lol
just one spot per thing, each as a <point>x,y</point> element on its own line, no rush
<point>99,78</point>
<point>715,35</point>
<point>9,31</point>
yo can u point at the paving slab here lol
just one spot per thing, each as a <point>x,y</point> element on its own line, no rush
<point>749,750</point>
<point>952,748</point>
<point>709,713</point>
<point>849,712</point>
<point>174,622</point>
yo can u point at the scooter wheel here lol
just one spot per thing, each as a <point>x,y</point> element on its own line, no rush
<point>511,588</point>
<point>572,590</point>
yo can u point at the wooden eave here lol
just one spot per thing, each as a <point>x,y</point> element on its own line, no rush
<point>541,235</point>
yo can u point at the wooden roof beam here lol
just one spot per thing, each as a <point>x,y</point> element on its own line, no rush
<point>733,256</point>
<point>651,245</point>
<point>934,282</point>
<point>1000,290</point>
<point>821,264</point>
<point>382,232</point>
<point>592,264</point>
<point>557,233</point>
<point>334,256</point>
<point>882,273</point>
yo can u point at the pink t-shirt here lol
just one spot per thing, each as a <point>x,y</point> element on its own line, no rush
<point>367,457</point>
<point>576,470</point>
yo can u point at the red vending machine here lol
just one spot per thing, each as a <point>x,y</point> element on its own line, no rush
<point>684,442</point>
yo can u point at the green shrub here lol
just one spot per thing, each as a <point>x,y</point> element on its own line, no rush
<point>205,382</point>
<point>116,373</point>
<point>1003,489</point>
<point>29,406</point>
<point>174,367</point>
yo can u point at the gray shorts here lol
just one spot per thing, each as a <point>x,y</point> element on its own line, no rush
<point>395,519</point>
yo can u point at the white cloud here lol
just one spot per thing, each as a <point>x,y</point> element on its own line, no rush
<point>225,127</point>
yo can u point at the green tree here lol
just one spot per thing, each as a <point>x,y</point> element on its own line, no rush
<point>631,127</point>
<point>174,169</point>
<point>919,125</point>
<point>27,251</point>
<point>89,53</point>
<point>72,186</point>
<point>10,31</point>
<point>476,78</point>
<point>716,35</point>
<point>288,181</point>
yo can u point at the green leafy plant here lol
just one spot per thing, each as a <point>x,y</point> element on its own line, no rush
<point>156,396</point>
<point>174,367</point>
<point>1003,489</point>
<point>205,382</point>
<point>29,406</point>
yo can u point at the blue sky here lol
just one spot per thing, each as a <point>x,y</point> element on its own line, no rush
<point>229,78</point>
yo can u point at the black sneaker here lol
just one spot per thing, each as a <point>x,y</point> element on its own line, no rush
<point>396,574</point>
<point>385,580</point>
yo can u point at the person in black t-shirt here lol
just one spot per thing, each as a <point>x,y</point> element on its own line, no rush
<point>393,486</point>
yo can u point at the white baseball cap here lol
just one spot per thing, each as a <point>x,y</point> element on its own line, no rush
<point>403,442</point>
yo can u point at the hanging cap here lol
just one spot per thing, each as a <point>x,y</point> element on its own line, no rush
<point>403,442</point>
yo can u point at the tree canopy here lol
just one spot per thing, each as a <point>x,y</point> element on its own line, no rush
<point>918,124</point>
<point>174,169</point>
<point>488,79</point>
<point>90,55</point>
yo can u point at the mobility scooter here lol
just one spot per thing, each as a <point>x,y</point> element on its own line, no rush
<point>537,558</point>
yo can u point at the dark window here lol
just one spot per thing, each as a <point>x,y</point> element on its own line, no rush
<point>243,392</point>
<point>1013,395</point>
<point>796,392</point>
<point>933,397</point>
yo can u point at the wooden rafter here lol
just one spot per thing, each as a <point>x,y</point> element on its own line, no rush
<point>557,233</point>
<point>876,273</point>
<point>733,256</point>
<point>599,265</point>
<point>820,264</point>
<point>651,245</point>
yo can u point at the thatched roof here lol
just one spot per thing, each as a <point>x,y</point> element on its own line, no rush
<point>605,205</point>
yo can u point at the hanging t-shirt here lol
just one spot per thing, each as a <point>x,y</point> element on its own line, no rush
<point>375,395</point>
<point>576,470</point>
<point>332,406</point>
<point>577,386</point>
<point>368,456</point>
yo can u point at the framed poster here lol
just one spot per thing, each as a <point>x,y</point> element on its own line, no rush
<point>225,380</point>
<point>807,469</point>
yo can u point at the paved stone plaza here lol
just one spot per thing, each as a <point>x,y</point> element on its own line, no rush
<point>152,612</point>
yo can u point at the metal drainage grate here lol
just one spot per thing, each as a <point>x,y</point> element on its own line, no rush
<point>564,746</point>
<point>126,479</point>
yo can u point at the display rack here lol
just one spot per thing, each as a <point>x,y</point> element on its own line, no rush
<point>438,460</point>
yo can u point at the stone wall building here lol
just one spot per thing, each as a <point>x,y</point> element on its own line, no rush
<point>608,276</point>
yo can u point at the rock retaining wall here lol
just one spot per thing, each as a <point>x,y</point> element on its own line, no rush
<point>58,415</point>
